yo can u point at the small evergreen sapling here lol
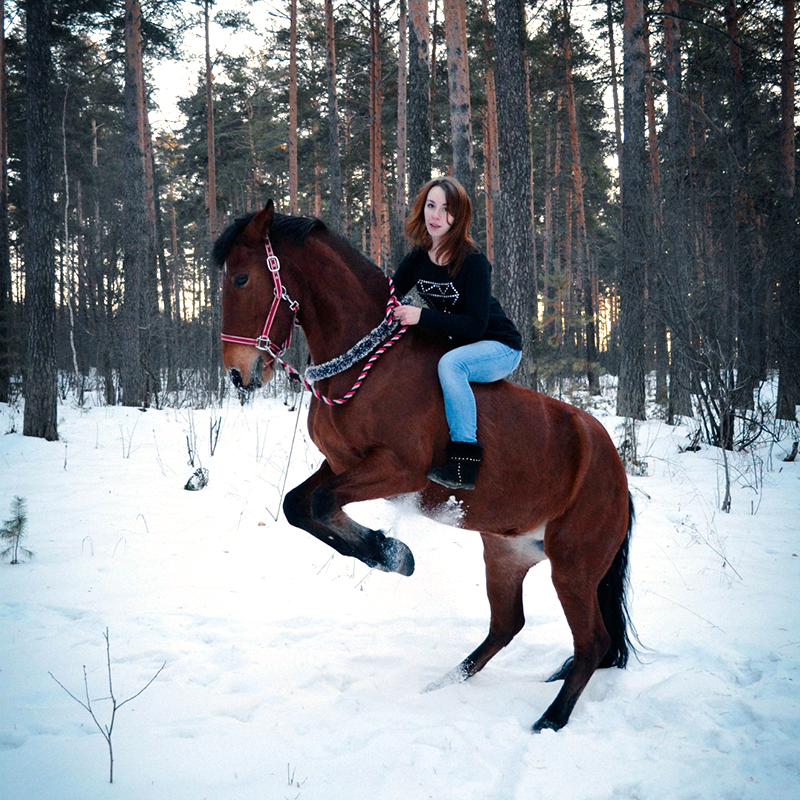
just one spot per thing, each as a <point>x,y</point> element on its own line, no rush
<point>13,531</point>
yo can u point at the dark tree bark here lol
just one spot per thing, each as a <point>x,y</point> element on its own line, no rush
<point>40,374</point>
<point>676,238</point>
<point>293,108</point>
<point>635,216</point>
<point>97,269</point>
<point>514,280</point>
<point>458,83</point>
<point>398,222</point>
<point>5,260</point>
<point>376,183</point>
<point>335,168</point>
<point>215,383</point>
<point>491,178</point>
<point>583,283</point>
<point>136,239</point>
<point>612,52</point>
<point>786,255</point>
<point>745,275</point>
<point>211,168</point>
<point>419,95</point>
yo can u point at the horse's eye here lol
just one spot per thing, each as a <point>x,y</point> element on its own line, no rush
<point>240,280</point>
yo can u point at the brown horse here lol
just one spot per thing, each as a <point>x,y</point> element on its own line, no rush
<point>551,484</point>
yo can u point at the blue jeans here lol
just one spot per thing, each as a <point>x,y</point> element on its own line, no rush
<point>480,362</point>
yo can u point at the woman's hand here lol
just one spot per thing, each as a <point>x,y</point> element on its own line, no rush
<point>407,315</point>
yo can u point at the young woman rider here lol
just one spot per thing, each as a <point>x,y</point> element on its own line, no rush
<point>453,277</point>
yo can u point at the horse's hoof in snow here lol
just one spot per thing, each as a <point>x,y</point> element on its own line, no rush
<point>545,724</point>
<point>457,675</point>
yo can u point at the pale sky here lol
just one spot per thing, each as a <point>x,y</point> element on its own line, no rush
<point>174,79</point>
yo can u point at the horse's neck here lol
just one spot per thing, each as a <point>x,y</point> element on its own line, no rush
<point>343,305</point>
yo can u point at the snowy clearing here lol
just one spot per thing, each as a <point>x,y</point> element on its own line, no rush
<point>293,672</point>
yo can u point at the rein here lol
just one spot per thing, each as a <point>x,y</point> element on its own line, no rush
<point>336,365</point>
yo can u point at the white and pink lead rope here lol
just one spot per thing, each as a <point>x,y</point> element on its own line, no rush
<point>263,342</point>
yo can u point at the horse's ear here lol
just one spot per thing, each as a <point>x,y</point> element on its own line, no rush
<point>261,223</point>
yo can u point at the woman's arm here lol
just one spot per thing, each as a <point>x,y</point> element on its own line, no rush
<point>405,276</point>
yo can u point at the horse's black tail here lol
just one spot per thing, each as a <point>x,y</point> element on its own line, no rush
<point>612,594</point>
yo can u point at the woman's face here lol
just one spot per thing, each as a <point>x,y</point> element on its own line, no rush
<point>437,220</point>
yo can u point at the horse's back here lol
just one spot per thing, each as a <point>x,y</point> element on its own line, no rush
<point>542,458</point>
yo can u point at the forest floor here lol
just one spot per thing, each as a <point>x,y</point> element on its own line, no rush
<point>293,672</point>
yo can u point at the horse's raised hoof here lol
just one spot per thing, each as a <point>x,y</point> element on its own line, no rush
<point>397,557</point>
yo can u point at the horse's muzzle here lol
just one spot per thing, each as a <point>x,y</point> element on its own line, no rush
<point>239,384</point>
<point>260,373</point>
<point>253,379</point>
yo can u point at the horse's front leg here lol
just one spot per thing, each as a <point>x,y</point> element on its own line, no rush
<point>316,506</point>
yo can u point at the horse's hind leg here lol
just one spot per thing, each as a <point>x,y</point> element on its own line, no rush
<point>508,560</point>
<point>579,562</point>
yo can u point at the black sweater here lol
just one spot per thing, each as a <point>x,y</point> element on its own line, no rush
<point>463,307</point>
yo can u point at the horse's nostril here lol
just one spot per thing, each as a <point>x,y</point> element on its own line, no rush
<point>236,377</point>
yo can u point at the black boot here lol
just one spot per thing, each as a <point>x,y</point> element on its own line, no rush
<point>461,469</point>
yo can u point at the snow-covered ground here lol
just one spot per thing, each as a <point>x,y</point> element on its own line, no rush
<point>293,672</point>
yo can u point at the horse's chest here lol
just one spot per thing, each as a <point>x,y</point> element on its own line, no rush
<point>335,440</point>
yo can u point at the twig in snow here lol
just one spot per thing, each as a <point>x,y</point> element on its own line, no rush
<point>106,730</point>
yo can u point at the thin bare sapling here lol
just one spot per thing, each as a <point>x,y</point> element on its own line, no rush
<point>106,729</point>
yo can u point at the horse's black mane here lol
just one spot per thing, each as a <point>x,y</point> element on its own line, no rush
<point>295,228</point>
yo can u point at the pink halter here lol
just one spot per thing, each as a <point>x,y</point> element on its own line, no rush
<point>263,342</point>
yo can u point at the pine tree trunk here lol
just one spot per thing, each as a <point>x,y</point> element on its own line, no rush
<point>135,237</point>
<point>398,237</point>
<point>583,284</point>
<point>166,285</point>
<point>419,95</point>
<point>612,52</point>
<point>211,173</point>
<point>40,373</point>
<point>676,258</point>
<point>214,383</point>
<point>293,108</point>
<point>156,335</point>
<point>514,228</point>
<point>786,255</point>
<point>6,300</point>
<point>531,176</point>
<point>652,136</point>
<point>335,163</point>
<point>558,283</point>
<point>491,179</point>
<point>656,327</point>
<point>108,349</point>
<point>458,82</point>
<point>548,249</point>
<point>635,216</point>
<point>376,239</point>
<point>432,92</point>
<point>744,278</point>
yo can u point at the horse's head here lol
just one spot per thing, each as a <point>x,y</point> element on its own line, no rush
<point>255,325</point>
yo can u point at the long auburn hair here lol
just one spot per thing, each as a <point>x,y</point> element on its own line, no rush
<point>456,244</point>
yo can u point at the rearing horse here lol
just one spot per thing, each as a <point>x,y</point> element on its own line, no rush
<point>551,484</point>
